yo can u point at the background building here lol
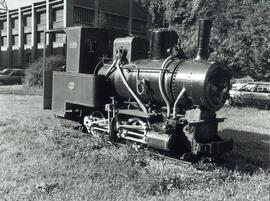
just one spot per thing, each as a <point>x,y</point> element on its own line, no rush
<point>21,30</point>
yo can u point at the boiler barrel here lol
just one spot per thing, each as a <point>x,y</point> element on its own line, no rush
<point>206,83</point>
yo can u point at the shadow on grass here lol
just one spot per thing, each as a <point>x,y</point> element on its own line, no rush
<point>250,152</point>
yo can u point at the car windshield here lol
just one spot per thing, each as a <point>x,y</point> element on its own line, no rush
<point>249,87</point>
<point>5,72</point>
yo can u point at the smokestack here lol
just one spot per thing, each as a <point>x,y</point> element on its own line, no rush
<point>205,26</point>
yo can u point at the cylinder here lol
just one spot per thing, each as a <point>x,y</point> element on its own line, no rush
<point>156,140</point>
<point>203,39</point>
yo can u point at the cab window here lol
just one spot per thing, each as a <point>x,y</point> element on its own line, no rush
<point>91,45</point>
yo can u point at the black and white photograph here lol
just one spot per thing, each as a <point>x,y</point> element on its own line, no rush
<point>138,100</point>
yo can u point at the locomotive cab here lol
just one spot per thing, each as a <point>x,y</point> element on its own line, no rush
<point>78,87</point>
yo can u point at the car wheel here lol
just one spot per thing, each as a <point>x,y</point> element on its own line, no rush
<point>267,106</point>
<point>2,83</point>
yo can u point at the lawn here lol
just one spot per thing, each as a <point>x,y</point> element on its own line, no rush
<point>48,158</point>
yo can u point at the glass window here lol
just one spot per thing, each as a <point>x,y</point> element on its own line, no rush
<point>28,21</point>
<point>3,25</point>
<point>5,72</point>
<point>263,88</point>
<point>18,73</point>
<point>41,18</point>
<point>116,21</point>
<point>40,37</point>
<point>14,23</point>
<point>27,39</point>
<point>58,15</point>
<point>4,41</point>
<point>59,38</point>
<point>15,40</point>
<point>249,88</point>
<point>83,15</point>
<point>12,74</point>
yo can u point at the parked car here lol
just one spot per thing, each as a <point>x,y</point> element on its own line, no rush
<point>11,76</point>
<point>5,70</point>
<point>238,83</point>
<point>253,94</point>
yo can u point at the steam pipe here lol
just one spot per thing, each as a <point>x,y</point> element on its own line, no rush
<point>177,101</point>
<point>203,39</point>
<point>110,69</point>
<point>161,88</point>
<point>129,89</point>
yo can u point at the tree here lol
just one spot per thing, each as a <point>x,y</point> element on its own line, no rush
<point>240,35</point>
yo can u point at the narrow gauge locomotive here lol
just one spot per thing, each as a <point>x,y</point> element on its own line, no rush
<point>153,98</point>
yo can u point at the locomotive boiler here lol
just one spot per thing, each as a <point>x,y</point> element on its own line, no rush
<point>155,98</point>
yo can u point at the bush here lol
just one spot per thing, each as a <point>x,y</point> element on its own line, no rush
<point>34,72</point>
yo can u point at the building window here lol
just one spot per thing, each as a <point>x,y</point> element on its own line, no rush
<point>41,18</point>
<point>15,40</point>
<point>3,25</point>
<point>82,15</point>
<point>116,21</point>
<point>27,39</point>
<point>3,41</point>
<point>27,21</point>
<point>14,23</point>
<point>59,38</point>
<point>40,37</point>
<point>58,15</point>
<point>28,57</point>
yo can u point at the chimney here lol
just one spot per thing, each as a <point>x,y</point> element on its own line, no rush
<point>205,26</point>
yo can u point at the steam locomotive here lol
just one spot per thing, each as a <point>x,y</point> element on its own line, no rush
<point>155,98</point>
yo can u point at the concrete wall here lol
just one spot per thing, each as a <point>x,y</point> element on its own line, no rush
<point>21,30</point>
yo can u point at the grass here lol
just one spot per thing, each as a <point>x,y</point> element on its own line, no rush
<point>20,90</point>
<point>48,158</point>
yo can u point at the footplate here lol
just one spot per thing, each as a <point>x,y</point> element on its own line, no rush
<point>215,148</point>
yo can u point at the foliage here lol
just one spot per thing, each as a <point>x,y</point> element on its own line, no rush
<point>34,73</point>
<point>240,34</point>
